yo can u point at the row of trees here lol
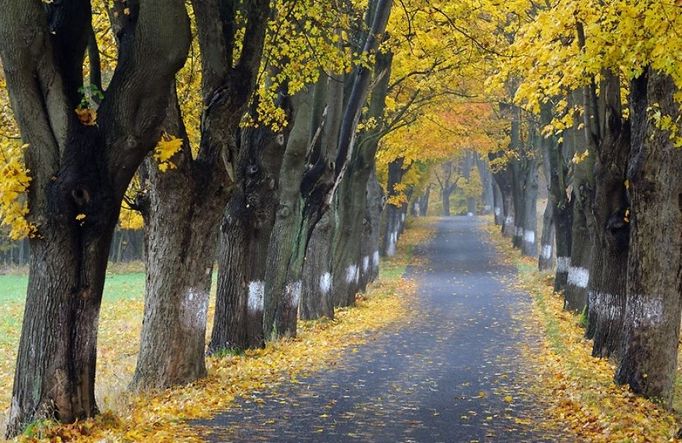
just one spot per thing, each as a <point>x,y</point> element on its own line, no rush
<point>252,137</point>
<point>593,97</point>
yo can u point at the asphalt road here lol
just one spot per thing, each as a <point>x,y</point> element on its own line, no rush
<point>456,373</point>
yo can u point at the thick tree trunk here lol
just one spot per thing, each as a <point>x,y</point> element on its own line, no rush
<point>245,236</point>
<point>654,278</point>
<point>79,176</point>
<point>316,300</point>
<point>575,294</point>
<point>445,198</point>
<point>351,199</point>
<point>606,289</point>
<point>288,240</point>
<point>181,224</point>
<point>186,205</point>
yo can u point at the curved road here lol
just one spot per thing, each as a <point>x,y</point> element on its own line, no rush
<point>454,374</point>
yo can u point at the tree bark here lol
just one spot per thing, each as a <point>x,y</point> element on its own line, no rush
<point>562,209</point>
<point>246,230</point>
<point>503,177</point>
<point>529,246</point>
<point>652,313</point>
<point>371,231</point>
<point>391,216</point>
<point>186,203</point>
<point>78,171</point>
<point>286,251</point>
<point>351,203</point>
<point>606,289</point>
<point>575,294</point>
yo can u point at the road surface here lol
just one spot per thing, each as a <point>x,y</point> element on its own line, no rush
<point>455,373</point>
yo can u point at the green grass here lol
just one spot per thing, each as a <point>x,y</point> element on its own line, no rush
<point>117,287</point>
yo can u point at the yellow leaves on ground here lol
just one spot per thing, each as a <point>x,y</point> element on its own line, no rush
<point>14,182</point>
<point>161,417</point>
<point>579,388</point>
<point>165,149</point>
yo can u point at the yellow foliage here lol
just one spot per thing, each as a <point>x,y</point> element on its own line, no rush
<point>14,183</point>
<point>165,149</point>
<point>130,219</point>
<point>580,157</point>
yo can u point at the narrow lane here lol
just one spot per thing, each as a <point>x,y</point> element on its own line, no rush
<point>455,373</point>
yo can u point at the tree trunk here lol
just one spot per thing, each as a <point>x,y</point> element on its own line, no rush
<point>654,277</point>
<point>185,206</point>
<point>245,236</point>
<point>498,204</point>
<point>288,240</point>
<point>530,197</point>
<point>79,176</point>
<point>351,199</point>
<point>562,208</point>
<point>316,300</point>
<point>370,243</point>
<point>424,202</point>
<point>181,224</point>
<point>546,259</point>
<point>391,215</point>
<point>575,294</point>
<point>606,289</point>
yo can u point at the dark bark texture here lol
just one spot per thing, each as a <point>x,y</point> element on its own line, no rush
<point>606,289</point>
<point>186,203</point>
<point>654,283</point>
<point>82,171</point>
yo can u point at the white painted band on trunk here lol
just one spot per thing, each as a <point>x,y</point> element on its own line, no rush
<point>375,259</point>
<point>486,208</point>
<point>509,221</point>
<point>578,276</point>
<point>563,264</point>
<point>650,311</point>
<point>498,211</point>
<point>470,214</point>
<point>402,217</point>
<point>417,208</point>
<point>351,272</point>
<point>254,301</point>
<point>392,239</point>
<point>325,283</point>
<point>529,236</point>
<point>365,263</point>
<point>519,231</point>
<point>547,252</point>
<point>293,293</point>
<point>194,309</point>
